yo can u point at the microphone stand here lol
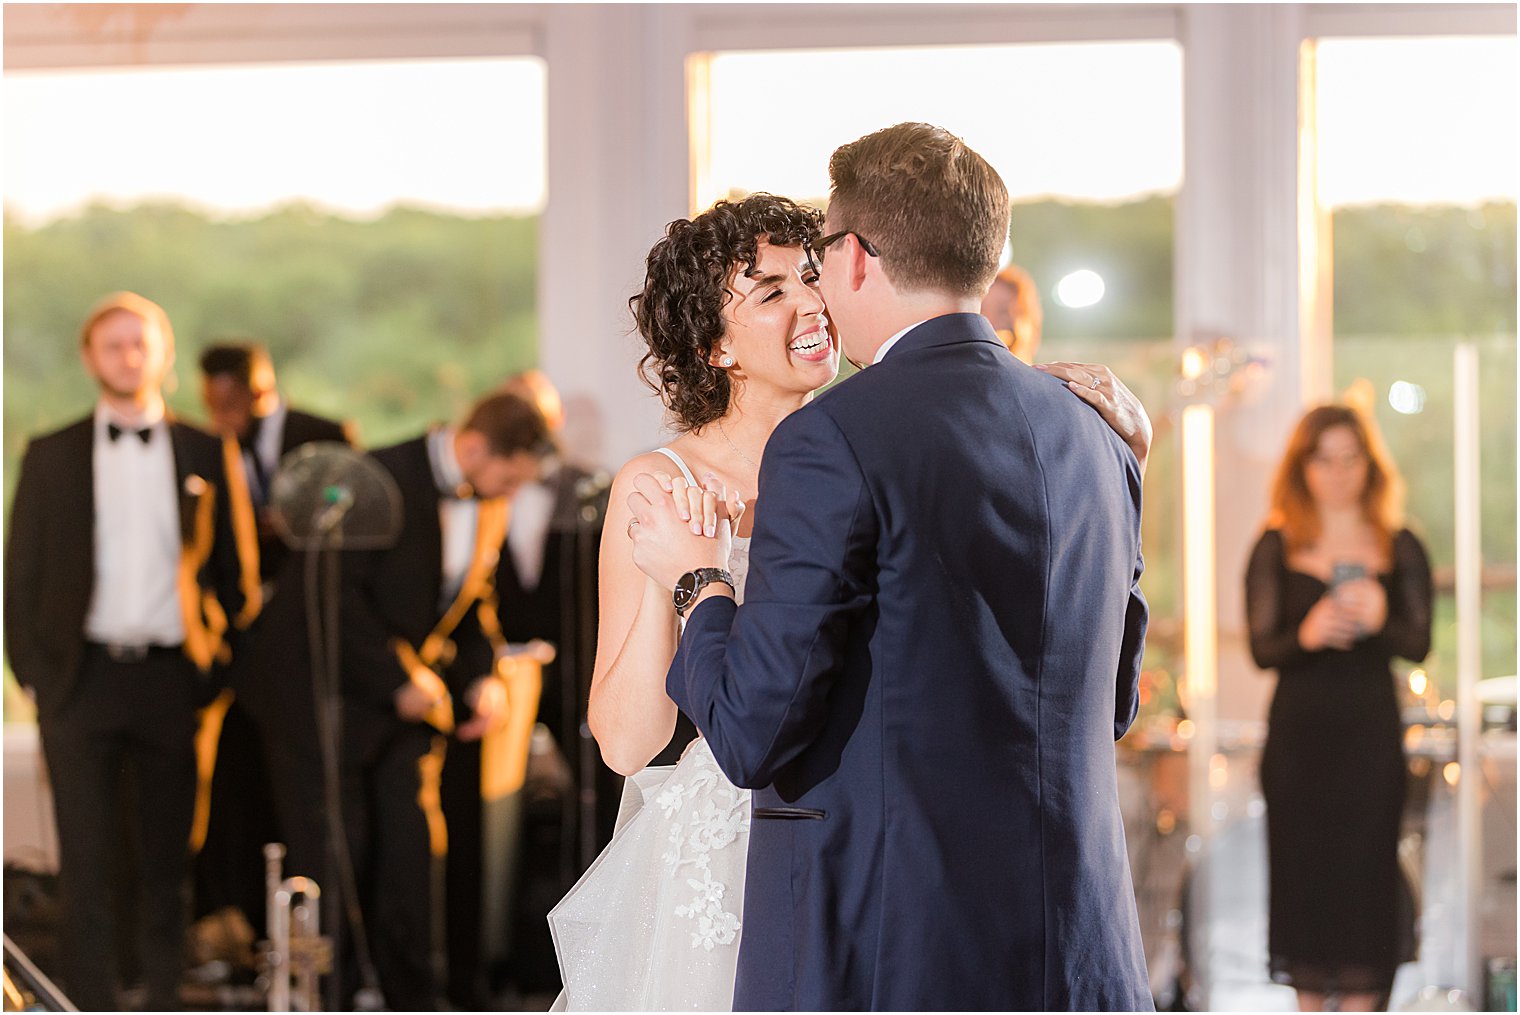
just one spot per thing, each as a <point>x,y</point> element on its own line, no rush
<point>324,647</point>
<point>591,495</point>
<point>325,498</point>
<point>577,626</point>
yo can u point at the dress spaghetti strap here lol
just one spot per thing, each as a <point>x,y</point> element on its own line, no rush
<point>679,464</point>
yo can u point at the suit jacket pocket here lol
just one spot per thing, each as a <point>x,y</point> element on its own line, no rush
<point>789,813</point>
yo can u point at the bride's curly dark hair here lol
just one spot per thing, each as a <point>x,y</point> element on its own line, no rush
<point>680,309</point>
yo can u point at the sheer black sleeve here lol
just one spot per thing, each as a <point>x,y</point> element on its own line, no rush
<point>1406,633</point>
<point>1274,640</point>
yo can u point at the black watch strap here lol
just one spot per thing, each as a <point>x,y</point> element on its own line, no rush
<point>691,584</point>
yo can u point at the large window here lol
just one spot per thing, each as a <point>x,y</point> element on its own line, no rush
<point>369,221</point>
<point>1418,172</point>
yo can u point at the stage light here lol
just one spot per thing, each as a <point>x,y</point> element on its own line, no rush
<point>1194,362</point>
<point>1418,682</point>
<point>1081,288</point>
<point>1406,398</point>
<point>1200,631</point>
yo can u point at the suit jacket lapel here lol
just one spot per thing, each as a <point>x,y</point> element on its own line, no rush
<point>429,526</point>
<point>79,500</point>
<point>183,497</point>
<point>290,435</point>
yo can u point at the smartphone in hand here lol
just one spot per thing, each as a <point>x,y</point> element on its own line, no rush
<point>1346,571</point>
<point>1342,572</point>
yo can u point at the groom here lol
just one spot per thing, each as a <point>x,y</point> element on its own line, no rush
<point>940,640</point>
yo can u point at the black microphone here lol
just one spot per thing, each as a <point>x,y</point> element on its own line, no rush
<point>591,495</point>
<point>593,487</point>
<point>579,502</point>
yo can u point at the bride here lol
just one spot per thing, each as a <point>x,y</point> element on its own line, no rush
<point>737,339</point>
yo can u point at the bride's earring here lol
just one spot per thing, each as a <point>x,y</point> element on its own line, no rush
<point>727,362</point>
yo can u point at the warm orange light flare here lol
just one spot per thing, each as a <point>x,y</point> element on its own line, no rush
<point>1418,682</point>
<point>1194,362</point>
<point>1200,633</point>
<point>1219,771</point>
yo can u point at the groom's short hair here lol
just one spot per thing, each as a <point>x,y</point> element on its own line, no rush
<point>936,211</point>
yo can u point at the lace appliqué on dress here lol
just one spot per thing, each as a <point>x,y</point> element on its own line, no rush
<point>718,819</point>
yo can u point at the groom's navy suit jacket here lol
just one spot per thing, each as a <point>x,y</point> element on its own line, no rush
<point>939,643</point>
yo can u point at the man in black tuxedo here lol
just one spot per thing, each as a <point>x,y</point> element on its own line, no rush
<point>271,711</point>
<point>114,620</point>
<point>239,390</point>
<point>422,650</point>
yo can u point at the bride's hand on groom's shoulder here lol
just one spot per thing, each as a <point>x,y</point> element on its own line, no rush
<point>677,527</point>
<point>1102,389</point>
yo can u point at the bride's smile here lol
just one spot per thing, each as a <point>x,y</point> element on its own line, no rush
<point>814,344</point>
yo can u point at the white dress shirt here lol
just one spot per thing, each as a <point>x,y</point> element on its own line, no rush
<point>532,511</point>
<point>266,447</point>
<point>456,517</point>
<point>886,346</point>
<point>137,544</point>
<point>271,434</point>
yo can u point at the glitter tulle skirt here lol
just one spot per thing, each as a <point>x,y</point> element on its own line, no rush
<point>654,923</point>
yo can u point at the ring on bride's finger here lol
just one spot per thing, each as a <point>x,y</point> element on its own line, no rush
<point>1097,382</point>
<point>631,523</point>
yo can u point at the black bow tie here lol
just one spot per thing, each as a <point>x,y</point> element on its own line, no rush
<point>113,431</point>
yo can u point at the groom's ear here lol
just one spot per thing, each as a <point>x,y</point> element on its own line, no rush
<point>858,264</point>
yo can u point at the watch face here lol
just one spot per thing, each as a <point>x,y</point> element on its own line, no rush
<point>686,589</point>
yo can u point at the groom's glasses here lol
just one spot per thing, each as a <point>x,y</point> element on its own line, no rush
<point>818,248</point>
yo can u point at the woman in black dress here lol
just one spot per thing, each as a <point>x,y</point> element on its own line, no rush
<point>1336,588</point>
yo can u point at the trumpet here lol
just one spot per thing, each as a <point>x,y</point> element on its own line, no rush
<point>297,951</point>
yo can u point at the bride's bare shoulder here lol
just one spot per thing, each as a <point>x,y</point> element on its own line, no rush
<point>650,462</point>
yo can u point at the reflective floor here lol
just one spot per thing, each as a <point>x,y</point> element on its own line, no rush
<point>1224,920</point>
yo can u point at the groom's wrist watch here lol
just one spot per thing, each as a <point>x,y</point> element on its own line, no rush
<point>691,584</point>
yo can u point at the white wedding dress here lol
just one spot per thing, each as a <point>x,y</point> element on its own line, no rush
<point>654,923</point>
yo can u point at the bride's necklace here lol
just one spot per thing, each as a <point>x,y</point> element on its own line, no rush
<point>724,433</point>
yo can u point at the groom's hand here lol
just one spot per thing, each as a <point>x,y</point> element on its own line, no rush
<point>665,544</point>
<point>1101,388</point>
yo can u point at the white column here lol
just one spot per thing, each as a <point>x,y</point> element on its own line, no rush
<point>618,173</point>
<point>1238,267</point>
<point>1238,271</point>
